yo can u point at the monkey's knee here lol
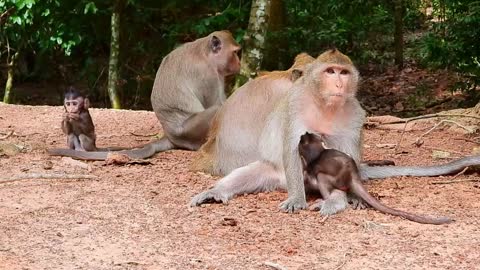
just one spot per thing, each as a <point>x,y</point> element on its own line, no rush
<point>86,143</point>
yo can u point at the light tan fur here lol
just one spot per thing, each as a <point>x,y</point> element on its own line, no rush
<point>256,146</point>
<point>189,88</point>
<point>260,92</point>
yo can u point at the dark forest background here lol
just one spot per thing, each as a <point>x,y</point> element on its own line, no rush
<point>112,49</point>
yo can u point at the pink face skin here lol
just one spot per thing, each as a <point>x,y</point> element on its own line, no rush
<point>336,80</point>
<point>334,90</point>
<point>73,105</point>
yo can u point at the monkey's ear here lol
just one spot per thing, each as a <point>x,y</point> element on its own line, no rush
<point>296,74</point>
<point>86,103</point>
<point>215,44</point>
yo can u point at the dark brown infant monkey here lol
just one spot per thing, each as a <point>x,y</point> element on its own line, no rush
<point>332,172</point>
<point>77,123</point>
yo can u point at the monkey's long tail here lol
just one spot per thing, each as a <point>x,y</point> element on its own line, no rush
<point>377,172</point>
<point>146,151</point>
<point>361,192</point>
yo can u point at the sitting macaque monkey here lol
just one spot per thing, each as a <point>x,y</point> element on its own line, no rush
<point>188,90</point>
<point>332,172</point>
<point>77,123</point>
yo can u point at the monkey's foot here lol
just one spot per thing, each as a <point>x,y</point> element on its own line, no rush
<point>209,196</point>
<point>332,206</point>
<point>336,202</point>
<point>316,205</point>
<point>356,202</point>
<point>292,205</point>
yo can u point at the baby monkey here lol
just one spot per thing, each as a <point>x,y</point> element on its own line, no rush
<point>77,123</point>
<point>329,170</point>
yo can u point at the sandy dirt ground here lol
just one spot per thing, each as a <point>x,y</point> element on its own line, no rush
<point>136,216</point>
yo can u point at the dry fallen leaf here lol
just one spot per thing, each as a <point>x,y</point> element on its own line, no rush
<point>437,154</point>
<point>9,149</point>
<point>117,158</point>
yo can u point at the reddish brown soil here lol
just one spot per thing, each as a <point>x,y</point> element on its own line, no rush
<point>136,216</point>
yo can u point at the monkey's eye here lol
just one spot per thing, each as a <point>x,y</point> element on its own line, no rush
<point>344,72</point>
<point>67,103</point>
<point>330,70</point>
<point>75,103</point>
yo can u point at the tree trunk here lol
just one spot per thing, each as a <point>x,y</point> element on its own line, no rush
<point>113,65</point>
<point>398,38</point>
<point>254,40</point>
<point>10,75</point>
<point>275,46</point>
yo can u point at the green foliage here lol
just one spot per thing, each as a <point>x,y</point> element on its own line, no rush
<point>68,40</point>
<point>362,29</point>
<point>453,41</point>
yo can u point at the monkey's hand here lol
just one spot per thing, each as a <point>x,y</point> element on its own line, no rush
<point>293,204</point>
<point>74,116</point>
<point>209,196</point>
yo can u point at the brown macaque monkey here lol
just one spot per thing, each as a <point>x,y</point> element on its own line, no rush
<point>188,90</point>
<point>237,125</point>
<point>331,172</point>
<point>77,123</point>
<point>262,155</point>
<point>254,141</point>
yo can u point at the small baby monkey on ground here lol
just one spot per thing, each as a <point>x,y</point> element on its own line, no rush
<point>329,171</point>
<point>77,123</point>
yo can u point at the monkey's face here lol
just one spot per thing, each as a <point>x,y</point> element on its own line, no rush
<point>336,84</point>
<point>73,105</point>
<point>231,60</point>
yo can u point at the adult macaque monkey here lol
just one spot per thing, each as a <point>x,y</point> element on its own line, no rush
<point>321,101</point>
<point>187,92</point>
<point>237,126</point>
<point>332,172</point>
<point>263,155</point>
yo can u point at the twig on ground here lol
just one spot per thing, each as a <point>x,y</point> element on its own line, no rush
<point>426,116</point>
<point>275,265</point>
<point>7,135</point>
<point>460,173</point>
<point>343,262</point>
<point>144,135</point>
<point>438,124</point>
<point>401,137</point>
<point>456,181</point>
<point>467,140</point>
<point>46,176</point>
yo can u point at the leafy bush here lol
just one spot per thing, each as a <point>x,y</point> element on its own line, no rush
<point>453,42</point>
